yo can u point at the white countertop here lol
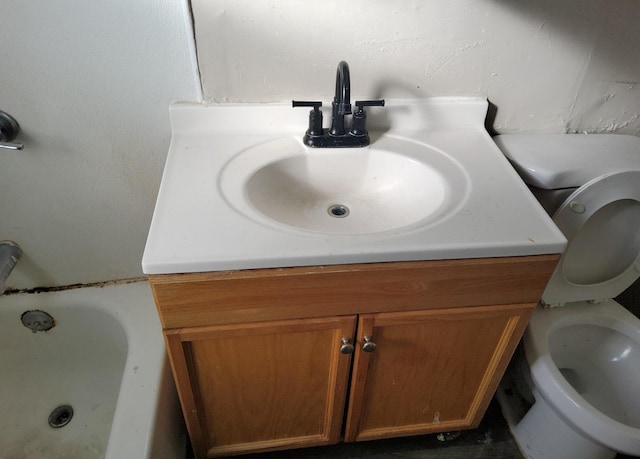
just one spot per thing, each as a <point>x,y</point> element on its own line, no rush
<point>195,229</point>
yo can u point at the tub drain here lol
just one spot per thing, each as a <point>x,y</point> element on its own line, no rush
<point>61,416</point>
<point>37,321</point>
<point>338,211</point>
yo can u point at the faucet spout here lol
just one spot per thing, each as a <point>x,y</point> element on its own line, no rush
<point>9,254</point>
<point>341,101</point>
<point>343,89</point>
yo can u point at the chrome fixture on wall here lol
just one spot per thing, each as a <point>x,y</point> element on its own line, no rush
<point>9,129</point>
<point>10,252</point>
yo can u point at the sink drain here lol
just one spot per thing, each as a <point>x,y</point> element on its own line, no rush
<point>338,211</point>
<point>61,416</point>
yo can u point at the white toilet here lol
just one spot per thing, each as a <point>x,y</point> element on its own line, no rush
<point>582,349</point>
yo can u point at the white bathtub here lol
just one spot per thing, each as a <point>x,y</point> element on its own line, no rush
<point>106,359</point>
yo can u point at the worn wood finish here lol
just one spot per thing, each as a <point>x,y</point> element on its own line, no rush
<point>491,440</point>
<point>274,294</point>
<point>259,387</point>
<point>432,371</point>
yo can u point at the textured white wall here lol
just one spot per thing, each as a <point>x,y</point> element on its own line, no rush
<point>90,83</point>
<point>548,65</point>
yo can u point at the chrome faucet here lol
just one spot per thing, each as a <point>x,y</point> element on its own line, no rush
<point>10,252</point>
<point>338,136</point>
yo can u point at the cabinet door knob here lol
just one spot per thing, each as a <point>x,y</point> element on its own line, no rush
<point>346,347</point>
<point>368,345</point>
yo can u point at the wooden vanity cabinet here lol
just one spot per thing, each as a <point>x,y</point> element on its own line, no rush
<point>262,386</point>
<point>266,359</point>
<point>431,371</point>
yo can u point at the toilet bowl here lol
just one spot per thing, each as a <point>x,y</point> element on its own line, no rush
<point>581,365</point>
<point>584,362</point>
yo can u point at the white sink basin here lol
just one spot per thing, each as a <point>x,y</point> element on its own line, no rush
<point>241,191</point>
<point>395,183</point>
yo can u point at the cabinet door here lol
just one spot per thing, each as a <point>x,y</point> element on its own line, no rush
<point>262,386</point>
<point>431,371</point>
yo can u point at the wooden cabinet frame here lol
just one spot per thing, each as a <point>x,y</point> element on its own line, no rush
<point>495,296</point>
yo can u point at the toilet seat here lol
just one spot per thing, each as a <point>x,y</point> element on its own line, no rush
<point>579,274</point>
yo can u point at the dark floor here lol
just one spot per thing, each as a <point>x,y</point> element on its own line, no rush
<point>491,440</point>
<point>630,298</point>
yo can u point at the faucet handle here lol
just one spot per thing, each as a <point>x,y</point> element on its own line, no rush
<point>306,103</point>
<point>359,124</point>
<point>9,129</point>
<point>315,117</point>
<point>369,103</point>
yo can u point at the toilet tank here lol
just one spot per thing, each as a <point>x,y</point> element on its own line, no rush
<point>554,165</point>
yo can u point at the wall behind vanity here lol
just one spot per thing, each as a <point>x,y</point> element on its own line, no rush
<point>568,65</point>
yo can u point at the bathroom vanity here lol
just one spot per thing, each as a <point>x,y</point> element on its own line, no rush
<point>268,358</point>
<point>289,325</point>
